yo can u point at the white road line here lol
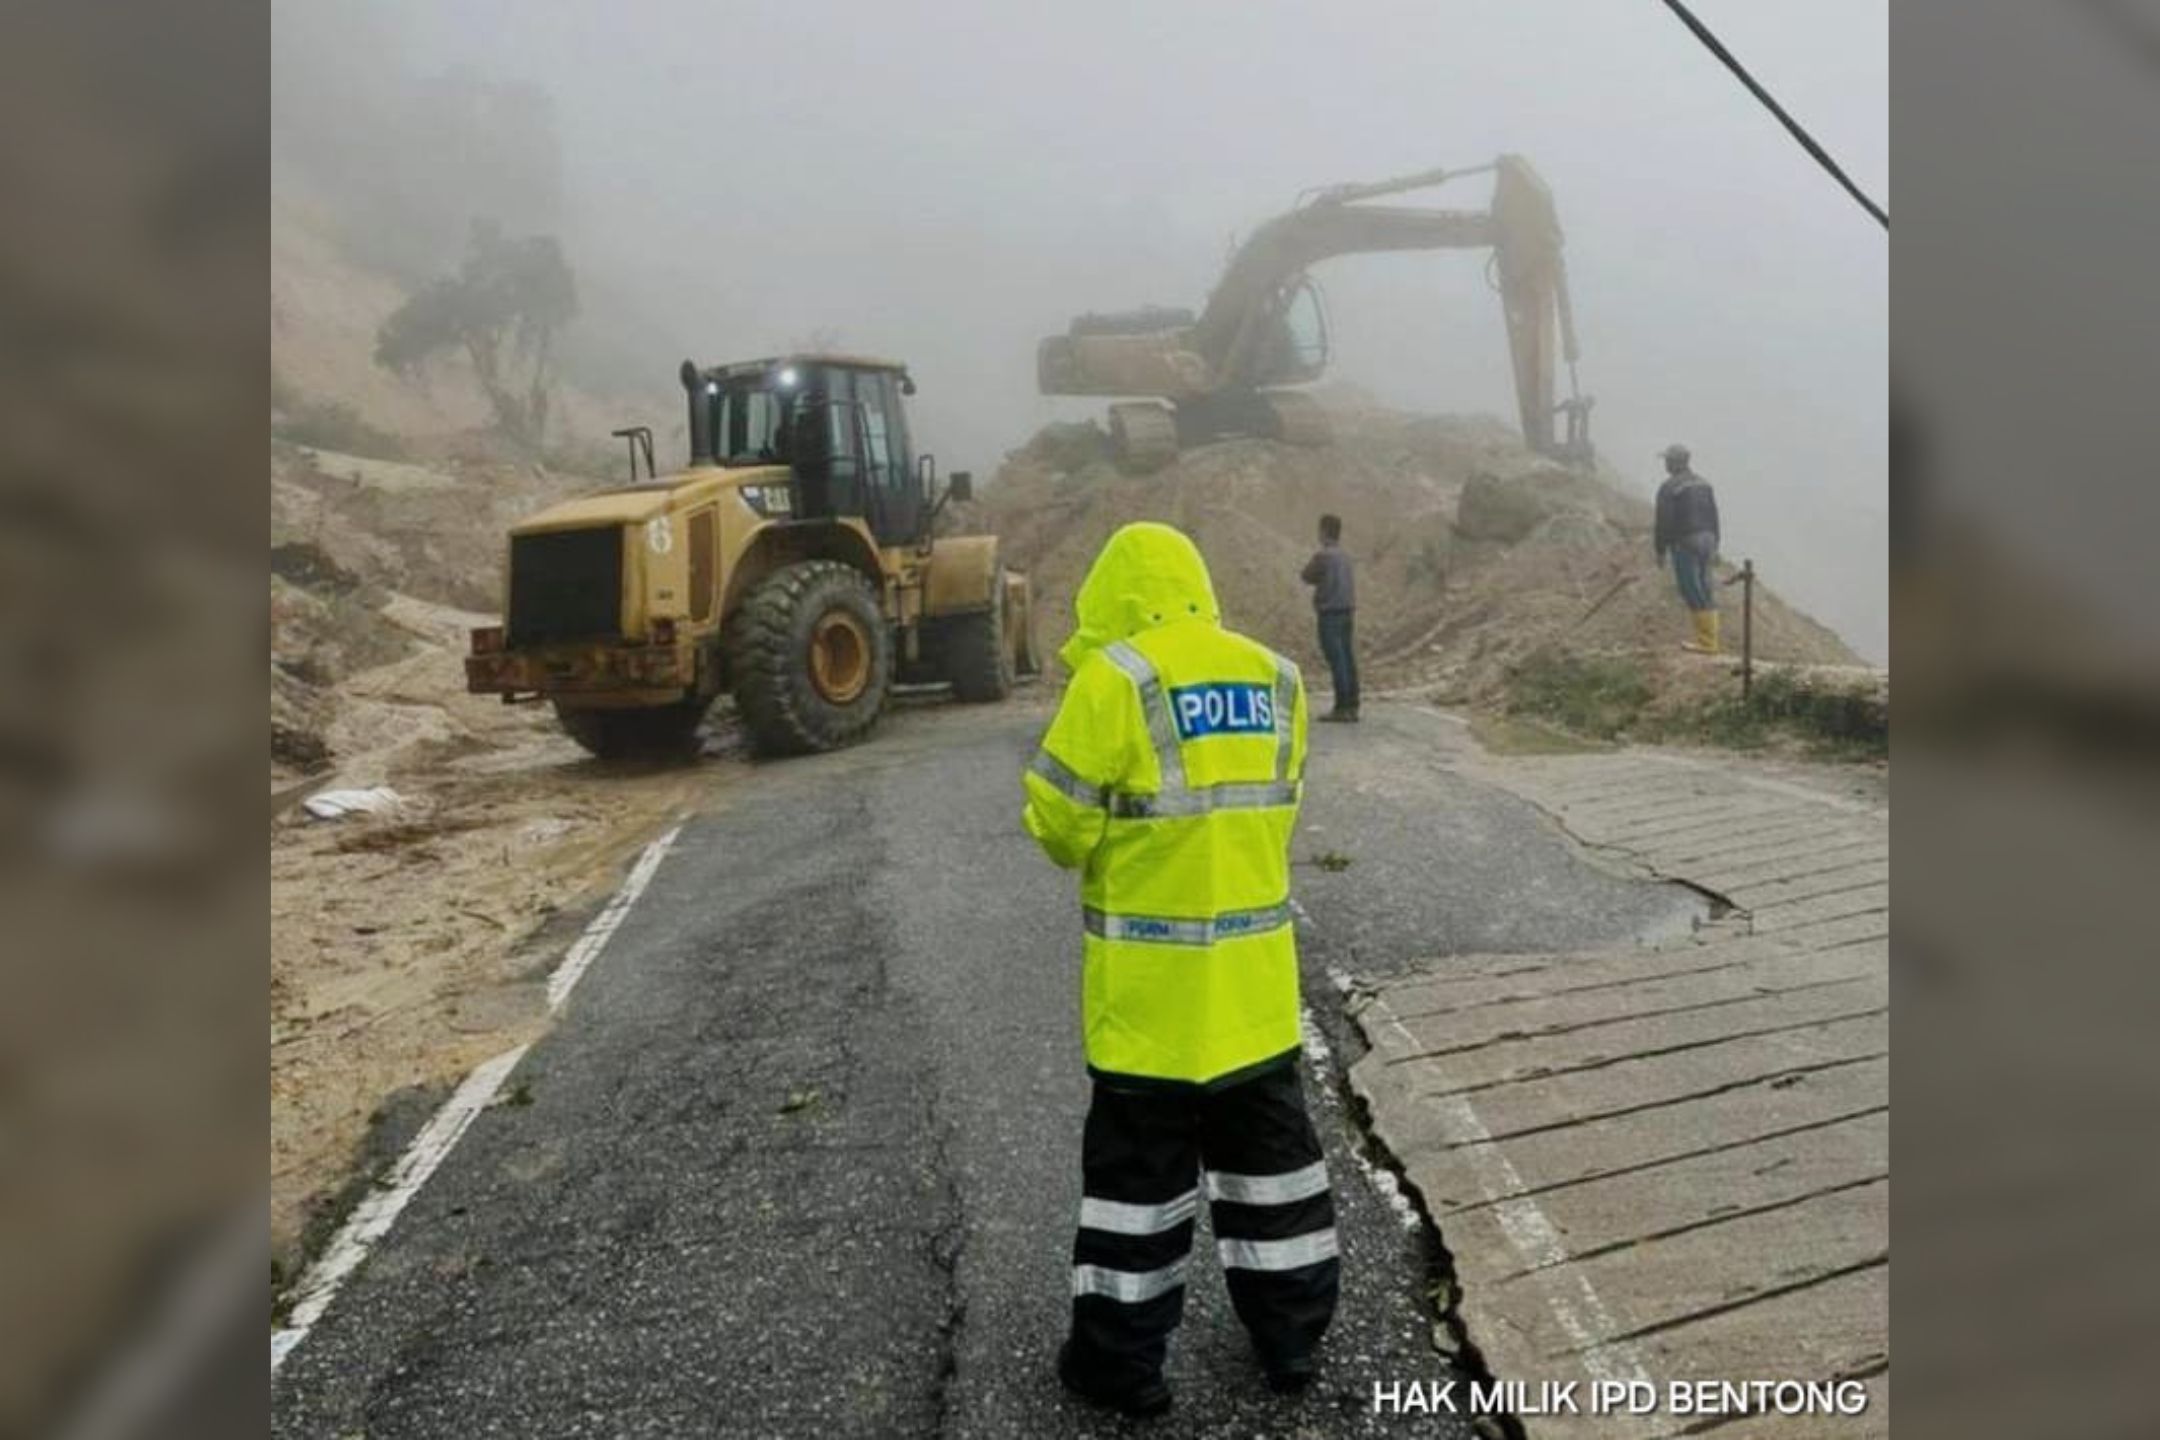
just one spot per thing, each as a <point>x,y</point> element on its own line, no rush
<point>372,1218</point>
<point>375,1214</point>
<point>1573,1300</point>
<point>603,926</point>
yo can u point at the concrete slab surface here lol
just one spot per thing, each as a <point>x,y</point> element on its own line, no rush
<point>1669,1164</point>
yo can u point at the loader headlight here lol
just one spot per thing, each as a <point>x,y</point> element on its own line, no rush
<point>788,378</point>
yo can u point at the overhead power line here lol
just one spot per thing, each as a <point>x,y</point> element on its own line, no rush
<point>1798,131</point>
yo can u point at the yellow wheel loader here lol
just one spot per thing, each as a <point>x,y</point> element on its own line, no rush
<point>792,563</point>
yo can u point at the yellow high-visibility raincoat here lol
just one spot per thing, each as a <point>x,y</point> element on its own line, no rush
<point>1170,780</point>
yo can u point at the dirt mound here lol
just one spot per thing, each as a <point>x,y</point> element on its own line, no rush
<point>434,532</point>
<point>1566,587</point>
<point>1472,550</point>
<point>358,549</point>
<point>1252,505</point>
<point>325,311</point>
<point>1512,508</point>
<point>406,947</point>
<point>402,945</point>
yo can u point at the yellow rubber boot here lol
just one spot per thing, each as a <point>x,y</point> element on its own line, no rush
<point>1706,630</point>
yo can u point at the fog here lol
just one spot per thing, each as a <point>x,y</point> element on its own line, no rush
<point>948,184</point>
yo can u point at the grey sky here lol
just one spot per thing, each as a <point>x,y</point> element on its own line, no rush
<point>948,183</point>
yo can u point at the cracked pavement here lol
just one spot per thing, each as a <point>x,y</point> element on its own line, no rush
<point>1670,1161</point>
<point>802,1154</point>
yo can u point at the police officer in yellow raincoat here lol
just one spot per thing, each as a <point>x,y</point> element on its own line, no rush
<point>1170,781</point>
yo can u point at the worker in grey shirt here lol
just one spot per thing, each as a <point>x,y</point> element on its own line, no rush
<point>1687,526</point>
<point>1335,601</point>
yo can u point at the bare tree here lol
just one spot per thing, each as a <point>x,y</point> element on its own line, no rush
<point>502,308</point>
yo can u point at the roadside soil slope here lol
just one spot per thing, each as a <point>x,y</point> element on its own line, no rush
<point>403,944</point>
<point>1472,550</point>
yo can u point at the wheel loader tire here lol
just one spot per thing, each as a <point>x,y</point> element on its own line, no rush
<point>1299,419</point>
<point>1143,437</point>
<point>661,732</point>
<point>977,659</point>
<point>812,658</point>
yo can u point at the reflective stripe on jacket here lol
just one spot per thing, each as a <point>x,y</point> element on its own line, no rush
<point>1170,780</point>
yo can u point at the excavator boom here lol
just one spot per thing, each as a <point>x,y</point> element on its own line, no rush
<point>1211,374</point>
<point>1280,251</point>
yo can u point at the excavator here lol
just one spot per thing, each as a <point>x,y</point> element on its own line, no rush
<point>1222,372</point>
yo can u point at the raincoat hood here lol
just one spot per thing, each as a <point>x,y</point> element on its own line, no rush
<point>1147,575</point>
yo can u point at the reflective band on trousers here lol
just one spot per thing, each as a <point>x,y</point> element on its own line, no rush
<point>1294,1253</point>
<point>1161,930</point>
<point>1283,1189</point>
<point>1129,1287</point>
<point>1119,1217</point>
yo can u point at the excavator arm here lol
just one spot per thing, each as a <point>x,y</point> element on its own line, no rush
<point>1270,264</point>
<point>1214,368</point>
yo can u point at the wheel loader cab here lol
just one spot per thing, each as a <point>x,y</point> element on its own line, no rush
<point>838,424</point>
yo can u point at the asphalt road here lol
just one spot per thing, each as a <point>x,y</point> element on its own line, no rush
<point>801,1156</point>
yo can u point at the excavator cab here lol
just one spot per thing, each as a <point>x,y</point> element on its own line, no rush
<point>1298,351</point>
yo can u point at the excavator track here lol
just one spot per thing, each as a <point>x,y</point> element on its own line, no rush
<point>1298,418</point>
<point>1143,436</point>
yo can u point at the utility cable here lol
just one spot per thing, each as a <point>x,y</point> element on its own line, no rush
<point>1798,131</point>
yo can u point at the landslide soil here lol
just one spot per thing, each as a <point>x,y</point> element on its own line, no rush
<point>408,946</point>
<point>1472,551</point>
